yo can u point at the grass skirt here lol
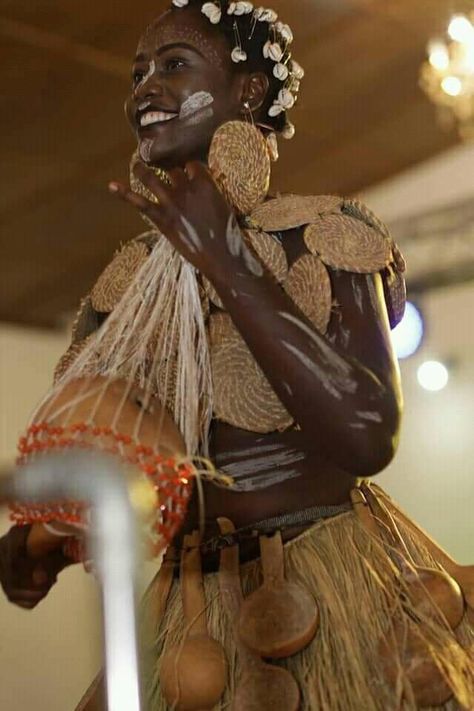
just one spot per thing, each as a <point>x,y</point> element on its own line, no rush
<point>358,591</point>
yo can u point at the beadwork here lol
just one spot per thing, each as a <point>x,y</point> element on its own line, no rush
<point>172,479</point>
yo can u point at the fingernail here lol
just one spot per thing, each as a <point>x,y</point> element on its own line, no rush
<point>113,187</point>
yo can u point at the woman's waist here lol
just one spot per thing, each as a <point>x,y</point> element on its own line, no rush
<point>289,523</point>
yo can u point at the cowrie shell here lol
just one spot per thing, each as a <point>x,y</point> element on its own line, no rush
<point>296,69</point>
<point>280,71</point>
<point>238,55</point>
<point>284,31</point>
<point>288,131</point>
<point>275,110</point>
<point>286,98</point>
<point>212,12</point>
<point>180,3</point>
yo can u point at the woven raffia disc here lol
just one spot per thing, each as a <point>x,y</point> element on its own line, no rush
<point>270,252</point>
<point>395,295</point>
<point>346,243</point>
<point>243,396</point>
<point>86,321</point>
<point>289,211</point>
<point>357,209</point>
<point>117,276</point>
<point>309,286</point>
<point>240,164</point>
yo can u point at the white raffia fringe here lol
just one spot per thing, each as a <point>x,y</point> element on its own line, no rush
<point>352,579</point>
<point>156,338</point>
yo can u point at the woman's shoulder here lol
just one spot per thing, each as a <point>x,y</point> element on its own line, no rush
<point>344,234</point>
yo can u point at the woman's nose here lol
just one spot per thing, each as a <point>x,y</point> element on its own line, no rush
<point>149,86</point>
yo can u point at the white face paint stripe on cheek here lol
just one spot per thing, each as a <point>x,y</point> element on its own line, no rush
<point>197,101</point>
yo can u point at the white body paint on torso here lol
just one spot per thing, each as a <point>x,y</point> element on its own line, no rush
<point>261,466</point>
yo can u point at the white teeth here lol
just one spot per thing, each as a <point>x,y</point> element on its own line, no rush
<point>155,117</point>
<point>144,105</point>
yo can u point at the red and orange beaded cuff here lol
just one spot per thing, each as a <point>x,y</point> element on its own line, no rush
<point>172,479</point>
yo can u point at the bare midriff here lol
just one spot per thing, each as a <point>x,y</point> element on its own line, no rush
<point>313,482</point>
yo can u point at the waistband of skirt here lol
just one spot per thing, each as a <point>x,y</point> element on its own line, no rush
<point>294,519</point>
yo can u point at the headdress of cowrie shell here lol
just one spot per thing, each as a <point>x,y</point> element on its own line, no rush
<point>212,11</point>
<point>286,69</point>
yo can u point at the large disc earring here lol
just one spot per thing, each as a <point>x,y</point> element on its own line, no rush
<point>239,161</point>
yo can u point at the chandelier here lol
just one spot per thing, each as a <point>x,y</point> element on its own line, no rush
<point>447,77</point>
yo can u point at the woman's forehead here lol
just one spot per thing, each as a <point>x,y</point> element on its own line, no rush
<point>183,27</point>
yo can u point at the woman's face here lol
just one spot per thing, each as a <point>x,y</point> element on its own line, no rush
<point>184,87</point>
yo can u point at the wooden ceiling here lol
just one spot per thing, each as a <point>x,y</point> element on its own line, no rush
<point>361,118</point>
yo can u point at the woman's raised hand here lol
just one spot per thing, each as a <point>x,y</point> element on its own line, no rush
<point>191,213</point>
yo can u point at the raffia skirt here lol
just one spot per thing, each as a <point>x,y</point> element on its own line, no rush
<point>354,582</point>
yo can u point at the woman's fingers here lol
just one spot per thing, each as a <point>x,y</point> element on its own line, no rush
<point>152,182</point>
<point>155,212</point>
<point>128,195</point>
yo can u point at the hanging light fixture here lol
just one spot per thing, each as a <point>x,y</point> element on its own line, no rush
<point>447,77</point>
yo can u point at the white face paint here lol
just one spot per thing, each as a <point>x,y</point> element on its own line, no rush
<point>148,75</point>
<point>197,108</point>
<point>145,148</point>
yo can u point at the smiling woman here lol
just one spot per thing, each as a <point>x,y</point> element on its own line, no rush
<point>254,331</point>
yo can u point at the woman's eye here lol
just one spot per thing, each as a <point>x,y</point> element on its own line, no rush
<point>137,77</point>
<point>174,63</point>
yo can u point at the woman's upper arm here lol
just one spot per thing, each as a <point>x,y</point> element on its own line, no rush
<point>360,326</point>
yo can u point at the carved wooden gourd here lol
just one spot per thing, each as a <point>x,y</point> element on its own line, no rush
<point>193,674</point>
<point>403,644</point>
<point>280,618</point>
<point>463,574</point>
<point>432,591</point>
<point>262,687</point>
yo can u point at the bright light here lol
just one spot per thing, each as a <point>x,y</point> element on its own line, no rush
<point>433,375</point>
<point>408,335</point>
<point>460,29</point>
<point>438,55</point>
<point>451,86</point>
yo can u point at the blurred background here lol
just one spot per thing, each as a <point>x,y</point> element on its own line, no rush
<point>385,113</point>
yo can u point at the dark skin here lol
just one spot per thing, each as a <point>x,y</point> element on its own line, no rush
<point>347,404</point>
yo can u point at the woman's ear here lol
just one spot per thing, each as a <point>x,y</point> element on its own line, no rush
<point>254,91</point>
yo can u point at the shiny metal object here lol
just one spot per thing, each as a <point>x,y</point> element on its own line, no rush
<point>114,545</point>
